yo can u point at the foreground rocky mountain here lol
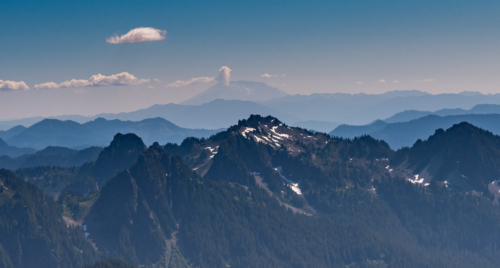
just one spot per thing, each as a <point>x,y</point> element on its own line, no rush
<point>263,194</point>
<point>312,174</point>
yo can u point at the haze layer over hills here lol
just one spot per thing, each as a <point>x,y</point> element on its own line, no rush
<point>332,109</point>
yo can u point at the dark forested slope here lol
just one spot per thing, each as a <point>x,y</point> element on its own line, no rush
<point>463,157</point>
<point>32,232</point>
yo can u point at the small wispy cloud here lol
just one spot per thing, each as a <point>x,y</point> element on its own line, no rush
<point>359,83</point>
<point>158,80</point>
<point>428,80</point>
<point>192,81</point>
<point>12,85</point>
<point>266,75</point>
<point>141,34</point>
<point>381,81</point>
<point>395,81</point>
<point>151,87</point>
<point>98,80</point>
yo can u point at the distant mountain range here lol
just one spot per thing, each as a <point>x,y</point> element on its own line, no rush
<point>219,113</point>
<point>213,115</point>
<point>402,134</point>
<point>53,132</point>
<point>413,114</point>
<point>357,109</point>
<point>334,108</point>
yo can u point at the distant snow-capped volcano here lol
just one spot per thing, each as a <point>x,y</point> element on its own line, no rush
<point>241,90</point>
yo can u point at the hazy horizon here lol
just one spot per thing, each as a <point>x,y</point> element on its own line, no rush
<point>145,107</point>
<point>62,58</point>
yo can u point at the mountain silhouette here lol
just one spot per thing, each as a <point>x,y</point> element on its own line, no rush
<point>99,132</point>
<point>119,155</point>
<point>12,151</point>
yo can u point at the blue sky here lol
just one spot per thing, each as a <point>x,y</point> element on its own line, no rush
<point>312,46</point>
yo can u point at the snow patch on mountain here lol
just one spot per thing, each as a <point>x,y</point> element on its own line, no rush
<point>247,130</point>
<point>417,180</point>
<point>273,129</point>
<point>294,186</point>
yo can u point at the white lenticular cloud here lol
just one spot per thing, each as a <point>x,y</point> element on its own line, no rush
<point>359,83</point>
<point>98,80</point>
<point>395,81</point>
<point>192,81</point>
<point>428,80</point>
<point>141,34</point>
<point>381,81</point>
<point>224,75</point>
<point>12,85</point>
<point>223,78</point>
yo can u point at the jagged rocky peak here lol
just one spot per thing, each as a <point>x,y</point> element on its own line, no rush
<point>257,120</point>
<point>270,131</point>
<point>257,130</point>
<point>119,155</point>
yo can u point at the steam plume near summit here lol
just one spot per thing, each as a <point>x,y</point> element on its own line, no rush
<point>224,75</point>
